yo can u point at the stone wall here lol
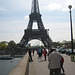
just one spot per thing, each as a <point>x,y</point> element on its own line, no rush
<point>22,68</point>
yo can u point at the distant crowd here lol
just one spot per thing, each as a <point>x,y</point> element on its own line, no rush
<point>54,58</point>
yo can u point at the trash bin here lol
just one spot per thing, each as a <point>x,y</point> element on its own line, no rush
<point>73,58</point>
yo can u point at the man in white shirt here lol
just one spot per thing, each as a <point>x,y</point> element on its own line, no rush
<point>54,62</point>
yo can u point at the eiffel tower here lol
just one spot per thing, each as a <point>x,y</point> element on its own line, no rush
<point>41,33</point>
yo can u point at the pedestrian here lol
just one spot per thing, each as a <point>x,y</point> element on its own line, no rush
<point>33,52</point>
<point>50,51</point>
<point>54,62</point>
<point>40,54</point>
<point>30,56</point>
<point>44,53</point>
<point>61,63</point>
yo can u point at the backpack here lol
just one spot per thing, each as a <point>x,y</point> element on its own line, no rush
<point>39,50</point>
<point>62,60</point>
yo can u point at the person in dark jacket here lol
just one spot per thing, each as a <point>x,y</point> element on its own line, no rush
<point>30,56</point>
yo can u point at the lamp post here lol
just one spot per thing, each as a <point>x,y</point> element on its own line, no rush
<point>71,28</point>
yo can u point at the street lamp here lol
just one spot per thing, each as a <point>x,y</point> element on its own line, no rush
<point>71,28</point>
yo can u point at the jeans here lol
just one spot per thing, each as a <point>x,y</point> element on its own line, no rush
<point>62,68</point>
<point>56,71</point>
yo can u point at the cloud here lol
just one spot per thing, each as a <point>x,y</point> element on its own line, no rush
<point>54,6</point>
<point>12,28</point>
<point>15,5</point>
<point>26,17</point>
<point>51,5</point>
<point>2,9</point>
<point>16,23</point>
<point>70,2</point>
<point>65,9</point>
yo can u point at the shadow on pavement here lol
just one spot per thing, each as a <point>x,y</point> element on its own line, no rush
<point>62,74</point>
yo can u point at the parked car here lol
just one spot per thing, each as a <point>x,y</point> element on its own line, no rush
<point>69,51</point>
<point>62,50</point>
<point>57,49</point>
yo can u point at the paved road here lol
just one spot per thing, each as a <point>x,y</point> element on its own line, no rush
<point>41,68</point>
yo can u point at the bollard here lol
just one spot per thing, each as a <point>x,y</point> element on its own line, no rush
<point>73,58</point>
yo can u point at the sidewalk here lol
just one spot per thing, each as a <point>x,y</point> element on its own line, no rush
<point>41,68</point>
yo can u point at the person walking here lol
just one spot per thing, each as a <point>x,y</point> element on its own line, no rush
<point>33,52</point>
<point>44,53</point>
<point>50,51</point>
<point>30,56</point>
<point>54,62</point>
<point>61,63</point>
<point>40,54</point>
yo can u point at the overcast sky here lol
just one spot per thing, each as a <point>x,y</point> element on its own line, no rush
<point>14,18</point>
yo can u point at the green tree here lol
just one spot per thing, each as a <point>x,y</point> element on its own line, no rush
<point>56,44</point>
<point>12,44</point>
<point>3,46</point>
<point>3,42</point>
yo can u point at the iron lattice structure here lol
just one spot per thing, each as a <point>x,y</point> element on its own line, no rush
<point>41,33</point>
